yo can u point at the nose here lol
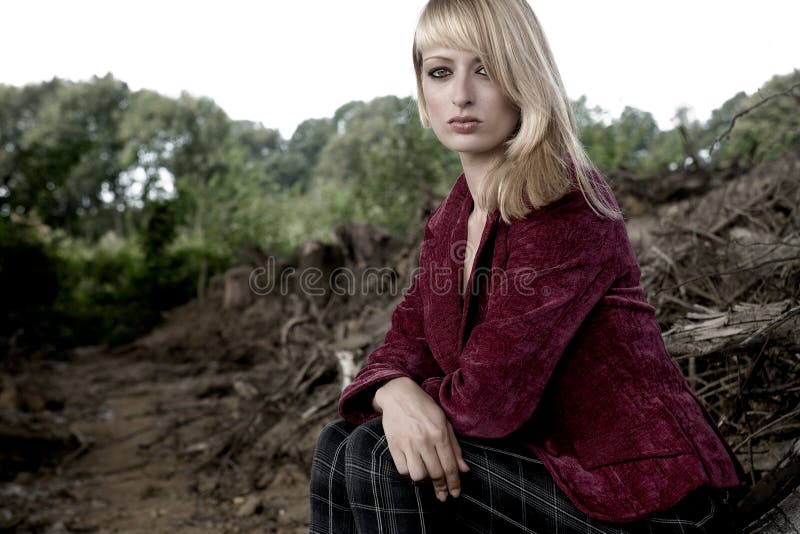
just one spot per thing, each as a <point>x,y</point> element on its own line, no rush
<point>462,90</point>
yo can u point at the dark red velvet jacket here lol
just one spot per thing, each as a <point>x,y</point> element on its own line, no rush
<point>555,347</point>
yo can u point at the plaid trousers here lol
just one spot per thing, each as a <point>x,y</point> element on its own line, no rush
<point>355,488</point>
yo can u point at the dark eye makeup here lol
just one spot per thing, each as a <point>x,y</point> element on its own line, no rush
<point>432,72</point>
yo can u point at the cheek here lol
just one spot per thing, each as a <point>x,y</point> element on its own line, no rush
<point>434,103</point>
<point>510,116</point>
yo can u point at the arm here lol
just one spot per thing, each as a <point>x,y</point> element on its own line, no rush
<point>404,353</point>
<point>559,266</point>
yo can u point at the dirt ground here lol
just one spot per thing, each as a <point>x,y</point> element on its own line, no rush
<point>144,427</point>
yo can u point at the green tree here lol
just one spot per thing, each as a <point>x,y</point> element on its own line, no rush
<point>18,110</point>
<point>762,133</point>
<point>304,148</point>
<point>634,132</point>
<point>598,138</point>
<point>68,151</point>
<point>185,139</point>
<point>384,156</point>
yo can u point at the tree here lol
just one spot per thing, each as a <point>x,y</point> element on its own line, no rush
<point>64,148</point>
<point>635,131</point>
<point>385,158</point>
<point>764,128</point>
<point>598,138</point>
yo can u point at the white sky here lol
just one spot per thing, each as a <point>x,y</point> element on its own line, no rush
<point>281,62</point>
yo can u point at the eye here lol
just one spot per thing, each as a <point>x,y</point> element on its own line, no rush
<point>433,72</point>
<point>484,70</point>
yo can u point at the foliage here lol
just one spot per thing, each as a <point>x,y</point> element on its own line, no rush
<point>633,142</point>
<point>385,156</point>
<point>29,281</point>
<point>761,134</point>
<point>114,203</point>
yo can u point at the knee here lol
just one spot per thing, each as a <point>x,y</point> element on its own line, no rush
<point>368,458</point>
<point>331,437</point>
<point>366,442</point>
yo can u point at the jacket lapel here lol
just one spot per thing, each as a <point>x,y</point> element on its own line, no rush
<point>448,311</point>
<point>466,303</point>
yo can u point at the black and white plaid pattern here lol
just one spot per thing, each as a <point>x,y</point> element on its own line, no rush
<point>355,488</point>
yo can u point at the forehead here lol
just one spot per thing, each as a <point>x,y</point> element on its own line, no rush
<point>449,54</point>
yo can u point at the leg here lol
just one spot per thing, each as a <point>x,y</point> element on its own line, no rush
<point>509,490</point>
<point>703,511</point>
<point>330,509</point>
<point>382,500</point>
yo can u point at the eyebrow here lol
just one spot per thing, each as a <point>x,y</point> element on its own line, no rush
<point>444,58</point>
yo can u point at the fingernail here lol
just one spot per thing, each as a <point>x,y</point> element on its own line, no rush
<point>442,496</point>
<point>455,493</point>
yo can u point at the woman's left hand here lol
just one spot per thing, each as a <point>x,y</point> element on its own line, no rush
<point>421,439</point>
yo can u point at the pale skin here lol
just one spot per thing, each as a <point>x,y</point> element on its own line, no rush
<point>455,83</point>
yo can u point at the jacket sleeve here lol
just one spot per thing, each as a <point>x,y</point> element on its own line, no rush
<point>404,352</point>
<point>556,272</point>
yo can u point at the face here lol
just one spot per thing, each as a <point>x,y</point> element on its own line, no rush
<point>468,112</point>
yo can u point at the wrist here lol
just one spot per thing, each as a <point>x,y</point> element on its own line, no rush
<point>379,397</point>
<point>376,404</point>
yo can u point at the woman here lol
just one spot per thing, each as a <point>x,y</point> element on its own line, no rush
<point>523,385</point>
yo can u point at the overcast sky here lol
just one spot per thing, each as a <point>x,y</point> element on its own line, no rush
<point>281,62</point>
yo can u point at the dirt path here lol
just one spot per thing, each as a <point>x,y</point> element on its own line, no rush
<point>147,427</point>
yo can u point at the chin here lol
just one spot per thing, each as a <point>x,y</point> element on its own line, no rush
<point>470,147</point>
<point>462,143</point>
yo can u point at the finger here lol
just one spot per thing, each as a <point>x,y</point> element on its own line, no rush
<point>449,464</point>
<point>399,460</point>
<point>416,467</point>
<point>431,458</point>
<point>462,465</point>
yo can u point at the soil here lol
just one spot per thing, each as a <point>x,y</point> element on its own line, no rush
<point>144,427</point>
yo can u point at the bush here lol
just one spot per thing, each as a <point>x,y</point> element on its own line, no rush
<point>68,293</point>
<point>29,278</point>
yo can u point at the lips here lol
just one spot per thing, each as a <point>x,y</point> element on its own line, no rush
<point>463,119</point>
<point>464,125</point>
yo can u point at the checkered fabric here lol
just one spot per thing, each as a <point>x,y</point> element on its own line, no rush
<point>355,488</point>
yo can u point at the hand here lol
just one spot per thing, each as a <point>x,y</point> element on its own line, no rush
<point>420,438</point>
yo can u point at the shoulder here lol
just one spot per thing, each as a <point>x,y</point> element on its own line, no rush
<point>569,226</point>
<point>446,213</point>
<point>434,219</point>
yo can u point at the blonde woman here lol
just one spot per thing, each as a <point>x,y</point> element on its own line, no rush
<point>523,385</point>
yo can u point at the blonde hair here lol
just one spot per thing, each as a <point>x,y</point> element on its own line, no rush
<point>544,155</point>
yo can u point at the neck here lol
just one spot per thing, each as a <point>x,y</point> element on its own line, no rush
<point>476,167</point>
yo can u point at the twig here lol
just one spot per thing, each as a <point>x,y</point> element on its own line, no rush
<point>314,409</point>
<point>290,323</point>
<point>302,372</point>
<point>723,273</point>
<point>772,324</point>
<point>736,117</point>
<point>793,413</point>
<point>697,231</point>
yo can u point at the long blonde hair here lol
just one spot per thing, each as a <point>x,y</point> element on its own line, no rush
<point>544,155</point>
